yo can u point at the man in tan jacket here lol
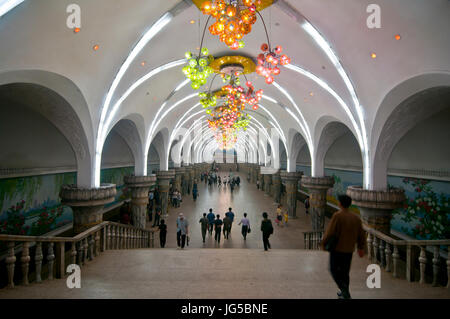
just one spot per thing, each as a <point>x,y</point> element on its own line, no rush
<point>343,233</point>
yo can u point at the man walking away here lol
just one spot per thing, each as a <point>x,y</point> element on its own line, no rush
<point>218,224</point>
<point>211,218</point>
<point>226,227</point>
<point>182,230</point>
<point>307,205</point>
<point>245,226</point>
<point>157,217</point>
<point>230,215</point>
<point>343,232</point>
<point>205,222</point>
<point>162,233</point>
<point>267,230</point>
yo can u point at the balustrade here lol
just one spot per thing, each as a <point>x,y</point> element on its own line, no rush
<point>81,248</point>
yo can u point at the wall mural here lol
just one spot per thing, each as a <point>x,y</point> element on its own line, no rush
<point>31,205</point>
<point>425,214</point>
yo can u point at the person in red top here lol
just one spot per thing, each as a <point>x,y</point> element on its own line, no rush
<point>343,233</point>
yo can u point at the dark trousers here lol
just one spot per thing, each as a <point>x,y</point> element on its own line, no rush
<point>226,232</point>
<point>217,236</point>
<point>157,218</point>
<point>340,270</point>
<point>211,226</point>
<point>181,239</point>
<point>244,231</point>
<point>204,233</point>
<point>266,241</point>
<point>162,239</point>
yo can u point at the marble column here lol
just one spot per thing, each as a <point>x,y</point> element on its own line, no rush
<point>179,172</point>
<point>317,189</point>
<point>164,178</point>
<point>260,178</point>
<point>267,182</point>
<point>139,187</point>
<point>87,204</point>
<point>291,180</point>
<point>376,206</point>
<point>276,182</point>
<point>253,174</point>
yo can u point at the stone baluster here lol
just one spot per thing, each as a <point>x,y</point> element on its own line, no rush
<point>423,263</point>
<point>388,253</point>
<point>376,206</point>
<point>25,261</point>
<point>73,253</point>
<point>51,260</point>
<point>97,243</point>
<point>435,265</point>
<point>91,246</point>
<point>382,247</point>
<point>38,257</point>
<point>135,238</point>
<point>113,237</point>
<point>85,250</point>
<point>10,263</point>
<point>317,188</point>
<point>121,238</point>
<point>375,250</point>
<point>87,204</point>
<point>369,245</point>
<point>395,260</point>
<point>80,253</point>
<point>125,238</point>
<point>108,237</point>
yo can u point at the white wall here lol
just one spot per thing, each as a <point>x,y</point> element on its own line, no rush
<point>116,151</point>
<point>28,140</point>
<point>425,147</point>
<point>344,153</point>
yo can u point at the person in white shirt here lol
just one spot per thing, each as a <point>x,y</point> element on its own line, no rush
<point>245,226</point>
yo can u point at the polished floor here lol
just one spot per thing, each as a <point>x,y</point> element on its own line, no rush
<point>245,199</point>
<point>234,269</point>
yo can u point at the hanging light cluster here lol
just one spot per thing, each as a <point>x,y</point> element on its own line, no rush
<point>226,139</point>
<point>234,19</point>
<point>269,60</point>
<point>198,69</point>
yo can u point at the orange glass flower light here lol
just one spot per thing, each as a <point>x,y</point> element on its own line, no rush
<point>233,20</point>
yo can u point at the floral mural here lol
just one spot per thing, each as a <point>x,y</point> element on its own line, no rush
<point>425,214</point>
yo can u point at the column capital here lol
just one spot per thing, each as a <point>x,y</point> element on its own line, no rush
<point>72,195</point>
<point>268,170</point>
<point>317,183</point>
<point>165,175</point>
<point>290,176</point>
<point>390,199</point>
<point>140,181</point>
<point>180,170</point>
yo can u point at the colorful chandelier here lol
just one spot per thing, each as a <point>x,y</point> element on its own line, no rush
<point>198,69</point>
<point>234,19</point>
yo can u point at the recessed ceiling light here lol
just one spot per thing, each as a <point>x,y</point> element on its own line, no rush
<point>143,63</point>
<point>373,55</point>
<point>192,21</point>
<point>76,30</point>
<point>398,37</point>
<point>311,93</point>
<point>96,47</point>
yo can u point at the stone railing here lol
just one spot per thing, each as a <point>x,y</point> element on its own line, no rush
<point>55,252</point>
<point>396,255</point>
<point>312,239</point>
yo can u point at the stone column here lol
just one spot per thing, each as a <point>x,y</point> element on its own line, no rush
<point>317,188</point>
<point>179,172</point>
<point>164,178</point>
<point>276,182</point>
<point>291,180</point>
<point>139,186</point>
<point>87,204</point>
<point>267,182</point>
<point>186,180</point>
<point>190,174</point>
<point>253,175</point>
<point>376,206</point>
<point>260,178</point>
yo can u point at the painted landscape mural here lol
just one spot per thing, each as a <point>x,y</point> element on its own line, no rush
<point>31,205</point>
<point>426,212</point>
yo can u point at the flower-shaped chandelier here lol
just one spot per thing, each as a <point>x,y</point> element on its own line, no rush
<point>226,107</point>
<point>234,19</point>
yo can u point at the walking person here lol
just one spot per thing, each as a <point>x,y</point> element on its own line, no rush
<point>343,232</point>
<point>267,230</point>
<point>175,198</point>
<point>157,217</point>
<point>195,192</point>
<point>226,227</point>
<point>182,230</point>
<point>162,233</point>
<point>307,205</point>
<point>211,218</point>
<point>245,226</point>
<point>230,214</point>
<point>257,183</point>
<point>205,222</point>
<point>179,199</point>
<point>279,219</point>
<point>286,217</point>
<point>218,227</point>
